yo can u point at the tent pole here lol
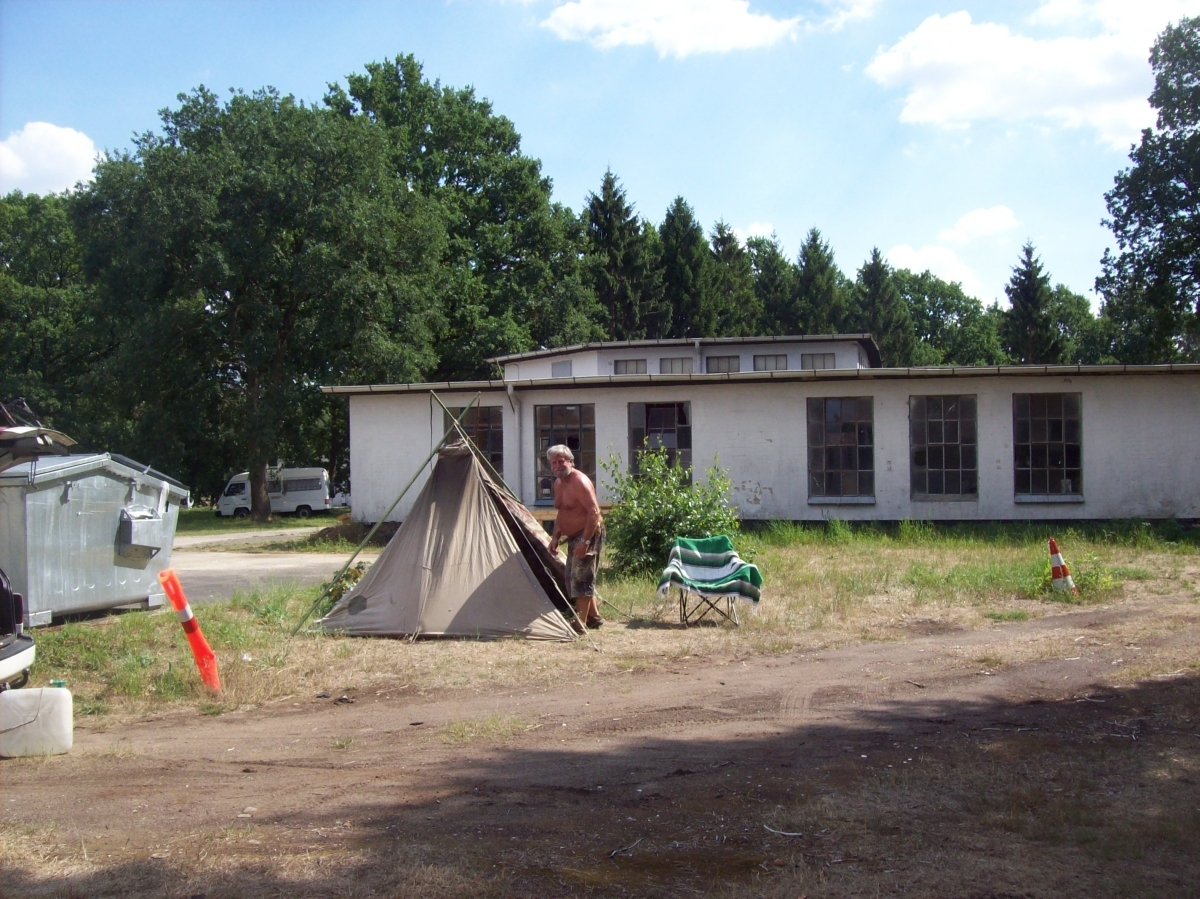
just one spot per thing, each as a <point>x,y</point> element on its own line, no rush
<point>371,533</point>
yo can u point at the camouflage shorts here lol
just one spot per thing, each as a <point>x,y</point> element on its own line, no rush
<point>581,573</point>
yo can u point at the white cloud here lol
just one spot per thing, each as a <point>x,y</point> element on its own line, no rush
<point>956,72</point>
<point>942,261</point>
<point>682,28</point>
<point>980,223</point>
<point>754,229</point>
<point>43,158</point>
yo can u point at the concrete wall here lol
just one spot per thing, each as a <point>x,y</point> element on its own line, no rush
<point>1141,443</point>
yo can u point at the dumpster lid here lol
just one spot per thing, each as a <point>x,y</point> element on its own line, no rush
<point>47,469</point>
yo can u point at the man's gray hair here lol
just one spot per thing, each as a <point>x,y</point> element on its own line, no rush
<point>560,450</point>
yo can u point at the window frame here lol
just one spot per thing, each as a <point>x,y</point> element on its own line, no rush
<point>687,365</point>
<point>640,431</point>
<point>1040,417</point>
<point>639,366</point>
<point>488,438</point>
<point>724,365</point>
<point>933,410</point>
<point>817,424</point>
<point>558,364</point>
<point>761,364</point>
<point>807,363</point>
<point>582,443</point>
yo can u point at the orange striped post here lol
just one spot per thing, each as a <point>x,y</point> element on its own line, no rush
<point>206,659</point>
<point>1060,574</point>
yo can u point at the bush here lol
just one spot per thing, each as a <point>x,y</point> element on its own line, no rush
<point>658,504</point>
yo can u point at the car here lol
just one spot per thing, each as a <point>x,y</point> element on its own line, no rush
<point>16,646</point>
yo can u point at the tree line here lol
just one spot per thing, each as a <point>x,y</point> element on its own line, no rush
<point>185,306</point>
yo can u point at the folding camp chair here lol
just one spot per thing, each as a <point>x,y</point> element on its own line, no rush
<point>709,576</point>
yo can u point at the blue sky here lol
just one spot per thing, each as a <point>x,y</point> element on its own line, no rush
<point>945,133</point>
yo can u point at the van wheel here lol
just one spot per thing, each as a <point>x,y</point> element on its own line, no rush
<point>241,512</point>
<point>303,512</point>
<point>218,513</point>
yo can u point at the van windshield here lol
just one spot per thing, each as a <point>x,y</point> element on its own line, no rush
<point>236,488</point>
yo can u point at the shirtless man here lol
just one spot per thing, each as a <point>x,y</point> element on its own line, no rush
<point>579,523</point>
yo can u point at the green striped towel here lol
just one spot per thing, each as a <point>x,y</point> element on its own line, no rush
<point>710,566</point>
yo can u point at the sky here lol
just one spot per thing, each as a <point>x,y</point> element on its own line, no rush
<point>947,134</point>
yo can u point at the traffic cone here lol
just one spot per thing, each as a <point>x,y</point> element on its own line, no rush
<point>1060,574</point>
<point>206,659</point>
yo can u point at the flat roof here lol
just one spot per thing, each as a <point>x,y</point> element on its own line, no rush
<point>828,374</point>
<point>865,340</point>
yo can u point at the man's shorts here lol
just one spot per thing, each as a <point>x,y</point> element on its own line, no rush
<point>581,573</point>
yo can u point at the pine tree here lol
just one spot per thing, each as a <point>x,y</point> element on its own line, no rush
<point>774,284</point>
<point>884,313</point>
<point>1028,331</point>
<point>624,271</point>
<point>820,303</point>
<point>735,303</point>
<point>687,273</point>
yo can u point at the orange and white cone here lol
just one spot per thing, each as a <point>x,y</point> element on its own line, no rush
<point>206,659</point>
<point>1060,574</point>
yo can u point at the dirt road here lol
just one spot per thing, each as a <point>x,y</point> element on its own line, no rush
<point>915,768</point>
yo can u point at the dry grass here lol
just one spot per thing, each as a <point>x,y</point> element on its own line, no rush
<point>823,590</point>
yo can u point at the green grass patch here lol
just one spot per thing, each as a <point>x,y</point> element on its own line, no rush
<point>1006,615</point>
<point>490,727</point>
<point>202,520</point>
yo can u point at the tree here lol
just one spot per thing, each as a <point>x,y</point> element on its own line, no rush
<point>735,303</point>
<point>625,276</point>
<point>251,252</point>
<point>49,338</point>
<point>1086,339</point>
<point>820,304</point>
<point>951,328</point>
<point>513,258</point>
<point>1151,285</point>
<point>883,312</point>
<point>774,283</point>
<point>687,273</point>
<point>1027,329</point>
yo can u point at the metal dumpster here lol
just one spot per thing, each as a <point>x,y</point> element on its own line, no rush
<point>86,532</point>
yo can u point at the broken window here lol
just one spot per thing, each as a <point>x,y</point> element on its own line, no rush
<point>570,425</point>
<point>485,427</point>
<point>1047,444</point>
<point>665,425</point>
<point>943,456</point>
<point>841,446</point>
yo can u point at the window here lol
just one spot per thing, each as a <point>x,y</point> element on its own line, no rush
<point>679,365</point>
<point>485,427</point>
<point>573,426</point>
<point>942,449</point>
<point>771,363</point>
<point>301,485</point>
<point>1047,444</point>
<point>841,453</point>
<point>237,488</point>
<point>629,367</point>
<point>813,361</point>
<point>560,369</point>
<point>654,425</point>
<point>722,364</point>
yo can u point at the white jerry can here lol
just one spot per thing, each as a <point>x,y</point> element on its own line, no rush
<point>37,721</point>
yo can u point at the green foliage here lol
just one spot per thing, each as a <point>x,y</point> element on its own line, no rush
<point>1150,287</point>
<point>1027,328</point>
<point>821,302</point>
<point>951,327</point>
<point>1093,579</point>
<point>687,273</point>
<point>624,265</point>
<point>774,283</point>
<point>882,312</point>
<point>735,302</point>
<point>658,504</point>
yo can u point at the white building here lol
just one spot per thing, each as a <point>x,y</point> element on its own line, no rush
<point>811,428</point>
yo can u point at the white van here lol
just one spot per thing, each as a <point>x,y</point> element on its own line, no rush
<point>299,491</point>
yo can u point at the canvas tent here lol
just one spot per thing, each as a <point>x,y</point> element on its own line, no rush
<point>468,561</point>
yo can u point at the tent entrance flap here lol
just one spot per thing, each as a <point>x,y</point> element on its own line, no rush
<point>462,564</point>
